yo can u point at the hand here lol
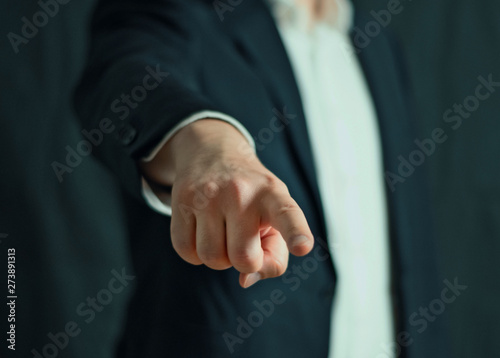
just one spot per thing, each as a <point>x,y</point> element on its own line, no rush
<point>228,210</point>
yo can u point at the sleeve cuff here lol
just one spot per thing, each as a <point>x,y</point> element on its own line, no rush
<point>153,201</point>
<point>195,117</point>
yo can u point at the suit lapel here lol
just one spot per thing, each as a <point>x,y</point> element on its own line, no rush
<point>381,71</point>
<point>380,68</point>
<point>254,32</point>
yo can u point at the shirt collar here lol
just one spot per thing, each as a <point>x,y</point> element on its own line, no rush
<point>287,12</point>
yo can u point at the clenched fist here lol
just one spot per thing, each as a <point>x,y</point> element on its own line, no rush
<point>228,210</point>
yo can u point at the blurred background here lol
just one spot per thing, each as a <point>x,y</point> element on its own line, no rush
<point>69,236</point>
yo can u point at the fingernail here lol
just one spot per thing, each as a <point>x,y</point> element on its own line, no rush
<point>298,240</point>
<point>251,279</point>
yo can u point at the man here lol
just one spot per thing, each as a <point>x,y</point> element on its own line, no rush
<point>252,123</point>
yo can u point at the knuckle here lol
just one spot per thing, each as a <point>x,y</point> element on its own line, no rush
<point>280,267</point>
<point>200,201</point>
<point>224,178</point>
<point>215,261</point>
<point>270,178</point>
<point>193,260</point>
<point>209,257</point>
<point>186,252</point>
<point>180,242</point>
<point>210,189</point>
<point>221,265</point>
<point>239,185</point>
<point>185,204</point>
<point>287,208</point>
<point>273,182</point>
<point>183,191</point>
<point>239,189</point>
<point>246,259</point>
<point>196,194</point>
<point>176,232</point>
<point>277,269</point>
<point>183,248</point>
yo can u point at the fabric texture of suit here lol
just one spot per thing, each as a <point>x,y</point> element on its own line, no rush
<point>238,66</point>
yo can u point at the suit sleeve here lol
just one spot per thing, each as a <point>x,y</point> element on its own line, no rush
<point>142,76</point>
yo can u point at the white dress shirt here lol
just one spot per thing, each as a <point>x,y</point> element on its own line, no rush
<point>342,126</point>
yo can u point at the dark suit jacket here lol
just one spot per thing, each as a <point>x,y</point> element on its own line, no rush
<point>238,66</point>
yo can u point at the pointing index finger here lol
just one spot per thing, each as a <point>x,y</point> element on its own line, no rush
<point>282,212</point>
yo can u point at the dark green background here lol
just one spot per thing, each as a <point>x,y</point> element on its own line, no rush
<point>69,236</point>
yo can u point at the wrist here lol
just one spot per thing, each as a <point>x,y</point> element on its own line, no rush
<point>200,142</point>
